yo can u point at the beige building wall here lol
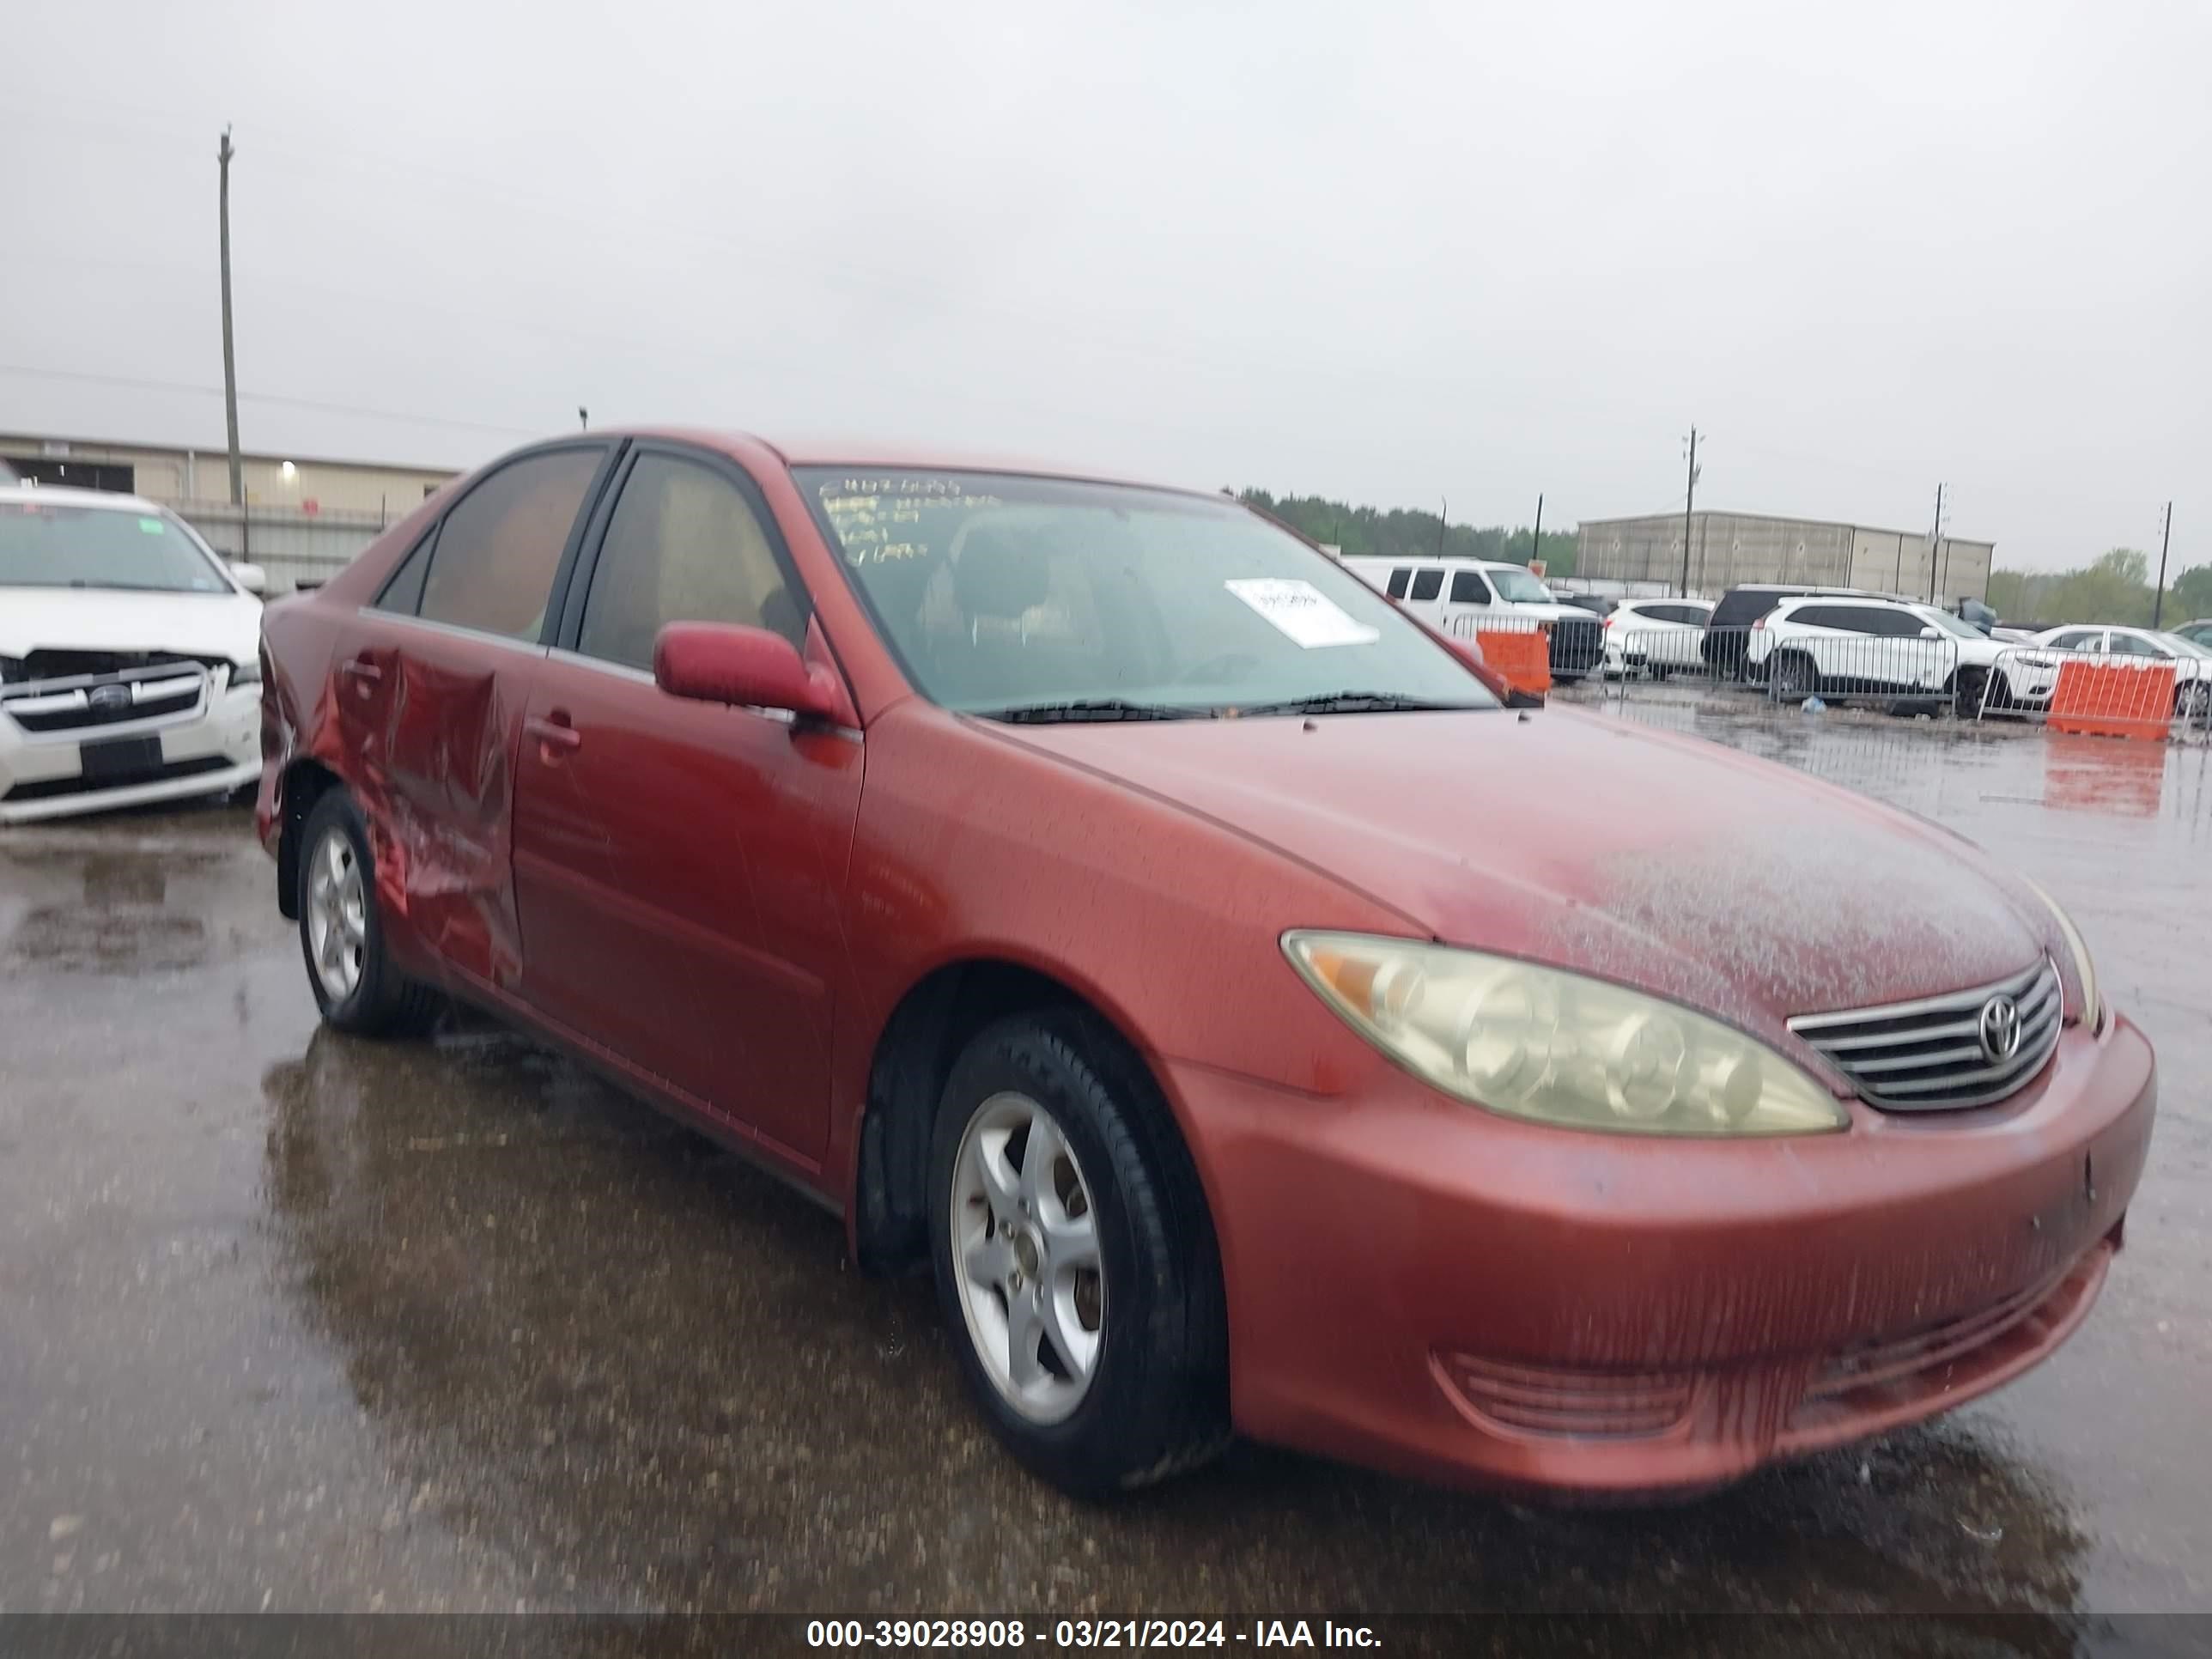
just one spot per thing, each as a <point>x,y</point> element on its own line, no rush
<point>1729,548</point>
<point>185,476</point>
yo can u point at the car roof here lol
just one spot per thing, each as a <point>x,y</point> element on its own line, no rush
<point>67,495</point>
<point>875,453</point>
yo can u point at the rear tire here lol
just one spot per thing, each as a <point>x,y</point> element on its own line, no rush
<point>1102,1394</point>
<point>342,930</point>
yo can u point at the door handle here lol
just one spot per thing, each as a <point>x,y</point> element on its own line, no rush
<point>359,668</point>
<point>553,734</point>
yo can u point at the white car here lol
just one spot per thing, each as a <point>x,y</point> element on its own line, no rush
<point>129,657</point>
<point>1818,645</point>
<point>2144,648</point>
<point>1462,597</point>
<point>1656,637</point>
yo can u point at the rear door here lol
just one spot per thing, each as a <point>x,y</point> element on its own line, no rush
<point>431,682</point>
<point>679,864</point>
<point>1424,596</point>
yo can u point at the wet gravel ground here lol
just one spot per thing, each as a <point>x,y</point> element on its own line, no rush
<point>290,1321</point>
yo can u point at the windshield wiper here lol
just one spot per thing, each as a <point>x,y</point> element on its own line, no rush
<point>131,587</point>
<point>1091,709</point>
<point>1351,702</point>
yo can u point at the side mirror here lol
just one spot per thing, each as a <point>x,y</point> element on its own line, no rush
<point>719,662</point>
<point>251,577</point>
<point>1931,632</point>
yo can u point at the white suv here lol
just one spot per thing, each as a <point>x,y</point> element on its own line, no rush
<point>129,657</point>
<point>1806,646</point>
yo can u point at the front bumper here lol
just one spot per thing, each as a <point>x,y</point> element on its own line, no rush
<point>1422,1287</point>
<point>217,749</point>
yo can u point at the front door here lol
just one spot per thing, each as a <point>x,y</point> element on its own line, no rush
<point>430,683</point>
<point>679,864</point>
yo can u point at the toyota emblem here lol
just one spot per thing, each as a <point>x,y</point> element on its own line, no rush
<point>106,699</point>
<point>2000,1028</point>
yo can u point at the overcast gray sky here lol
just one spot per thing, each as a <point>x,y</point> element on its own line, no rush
<point>1392,253</point>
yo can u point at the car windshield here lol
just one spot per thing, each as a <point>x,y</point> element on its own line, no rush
<point>1949,623</point>
<point>1518,587</point>
<point>54,544</point>
<point>2187,648</point>
<point>1048,597</point>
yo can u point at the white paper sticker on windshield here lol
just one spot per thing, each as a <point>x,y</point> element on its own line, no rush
<point>1302,611</point>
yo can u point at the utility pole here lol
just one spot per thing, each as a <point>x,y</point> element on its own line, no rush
<point>1689,500</point>
<point>1536,536</point>
<point>2158,593</point>
<point>229,360</point>
<point>1441,517</point>
<point>1934,534</point>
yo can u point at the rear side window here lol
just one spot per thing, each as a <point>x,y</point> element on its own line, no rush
<point>493,567</point>
<point>1691,614</point>
<point>403,591</point>
<point>684,545</point>
<point>1470,588</point>
<point>1427,584</point>
<point>1740,608</point>
<point>1399,578</point>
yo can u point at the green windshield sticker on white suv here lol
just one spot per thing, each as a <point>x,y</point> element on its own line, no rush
<point>152,527</point>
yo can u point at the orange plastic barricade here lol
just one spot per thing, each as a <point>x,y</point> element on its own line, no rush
<point>2100,700</point>
<point>1524,659</point>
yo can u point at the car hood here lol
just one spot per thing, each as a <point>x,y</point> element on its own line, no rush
<point>1730,884</point>
<point>110,619</point>
<point>1546,610</point>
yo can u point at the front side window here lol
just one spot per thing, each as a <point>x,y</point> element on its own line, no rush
<point>1427,584</point>
<point>48,544</point>
<point>1825,616</point>
<point>492,566</point>
<point>1519,588</point>
<point>1469,588</point>
<point>684,545</point>
<point>1000,594</point>
<point>2078,640</point>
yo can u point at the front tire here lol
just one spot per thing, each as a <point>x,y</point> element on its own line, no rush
<point>1967,688</point>
<point>341,931</point>
<point>1074,1259</point>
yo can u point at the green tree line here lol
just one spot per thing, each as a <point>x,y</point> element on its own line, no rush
<point>2115,588</point>
<point>1407,533</point>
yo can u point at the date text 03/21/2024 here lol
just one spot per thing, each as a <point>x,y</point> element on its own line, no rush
<point>1084,1633</point>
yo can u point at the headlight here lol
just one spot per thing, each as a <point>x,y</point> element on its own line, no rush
<point>1532,1042</point>
<point>2093,1011</point>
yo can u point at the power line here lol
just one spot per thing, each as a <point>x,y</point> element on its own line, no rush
<point>138,384</point>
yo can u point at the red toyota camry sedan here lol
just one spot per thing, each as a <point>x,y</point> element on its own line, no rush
<point>1100,898</point>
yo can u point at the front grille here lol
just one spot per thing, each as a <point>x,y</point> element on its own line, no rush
<point>1929,1056</point>
<point>1580,1404</point>
<point>1578,644</point>
<point>51,788</point>
<point>87,701</point>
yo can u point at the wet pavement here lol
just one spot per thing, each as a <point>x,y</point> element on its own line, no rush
<point>292,1322</point>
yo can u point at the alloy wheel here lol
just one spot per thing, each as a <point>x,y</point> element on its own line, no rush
<point>338,914</point>
<point>1026,1259</point>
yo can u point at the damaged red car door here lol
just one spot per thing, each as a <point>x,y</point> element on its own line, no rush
<point>431,681</point>
<point>679,864</point>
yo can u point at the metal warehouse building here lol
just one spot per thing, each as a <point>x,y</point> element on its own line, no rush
<point>1727,548</point>
<point>302,518</point>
